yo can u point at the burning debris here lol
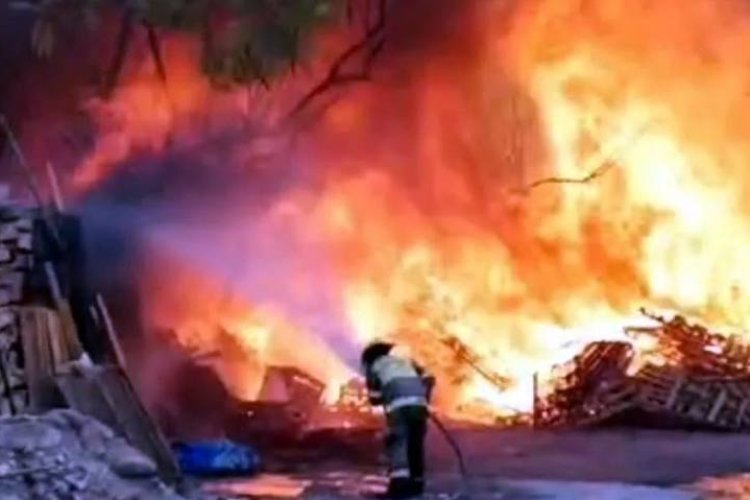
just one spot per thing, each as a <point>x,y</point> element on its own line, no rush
<point>285,405</point>
<point>689,376</point>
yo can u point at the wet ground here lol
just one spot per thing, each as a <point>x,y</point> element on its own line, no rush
<point>521,463</point>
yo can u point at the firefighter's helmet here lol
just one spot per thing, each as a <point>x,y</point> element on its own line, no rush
<point>374,351</point>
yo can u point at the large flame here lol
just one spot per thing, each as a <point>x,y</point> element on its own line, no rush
<point>424,201</point>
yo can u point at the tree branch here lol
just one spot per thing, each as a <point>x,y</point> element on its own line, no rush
<point>369,47</point>
<point>155,48</point>
<point>123,44</point>
<point>594,174</point>
<point>605,160</point>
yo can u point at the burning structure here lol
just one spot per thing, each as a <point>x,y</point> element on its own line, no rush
<point>510,183</point>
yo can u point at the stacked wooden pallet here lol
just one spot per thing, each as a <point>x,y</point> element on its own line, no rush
<point>698,378</point>
<point>720,402</point>
<point>591,386</point>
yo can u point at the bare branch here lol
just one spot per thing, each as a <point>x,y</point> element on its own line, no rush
<point>155,48</point>
<point>369,47</point>
<point>605,159</point>
<point>123,44</point>
<point>594,174</point>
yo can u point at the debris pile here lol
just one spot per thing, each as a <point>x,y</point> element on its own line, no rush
<point>63,454</point>
<point>688,376</point>
<point>287,400</point>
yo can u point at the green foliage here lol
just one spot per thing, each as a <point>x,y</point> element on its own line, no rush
<point>53,14</point>
<point>186,15</point>
<point>245,41</point>
<point>262,39</point>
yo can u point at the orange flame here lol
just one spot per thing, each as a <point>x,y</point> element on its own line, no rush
<point>425,202</point>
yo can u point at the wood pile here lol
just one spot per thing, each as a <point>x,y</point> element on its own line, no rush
<point>43,364</point>
<point>16,263</point>
<point>38,334</point>
<point>689,377</point>
<point>16,253</point>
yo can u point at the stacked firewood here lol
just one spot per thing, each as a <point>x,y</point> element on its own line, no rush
<point>16,259</point>
<point>688,377</point>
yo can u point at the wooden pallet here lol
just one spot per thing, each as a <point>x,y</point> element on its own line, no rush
<point>719,402</point>
<point>704,382</point>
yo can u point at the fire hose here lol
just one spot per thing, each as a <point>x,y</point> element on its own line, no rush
<point>456,450</point>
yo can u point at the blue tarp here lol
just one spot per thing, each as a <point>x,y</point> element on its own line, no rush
<point>216,458</point>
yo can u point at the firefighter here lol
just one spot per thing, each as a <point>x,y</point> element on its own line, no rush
<point>403,388</point>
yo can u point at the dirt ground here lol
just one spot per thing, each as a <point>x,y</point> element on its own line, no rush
<point>649,457</point>
<point>523,463</point>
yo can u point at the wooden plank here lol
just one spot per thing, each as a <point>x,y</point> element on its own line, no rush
<point>109,327</point>
<point>70,331</point>
<point>61,356</point>
<point>39,365</point>
<point>46,354</point>
<point>741,411</point>
<point>82,394</point>
<point>135,422</point>
<point>54,184</point>
<point>718,404</point>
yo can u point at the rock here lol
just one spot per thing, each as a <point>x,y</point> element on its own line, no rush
<point>73,456</point>
<point>128,462</point>
<point>95,437</point>
<point>28,435</point>
<point>67,419</point>
<point>5,495</point>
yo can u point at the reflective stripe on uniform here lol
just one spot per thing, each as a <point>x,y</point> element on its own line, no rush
<point>405,401</point>
<point>389,368</point>
<point>398,473</point>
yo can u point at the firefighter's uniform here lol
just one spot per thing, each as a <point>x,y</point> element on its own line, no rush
<point>403,389</point>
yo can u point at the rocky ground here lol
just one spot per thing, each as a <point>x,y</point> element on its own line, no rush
<point>64,455</point>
